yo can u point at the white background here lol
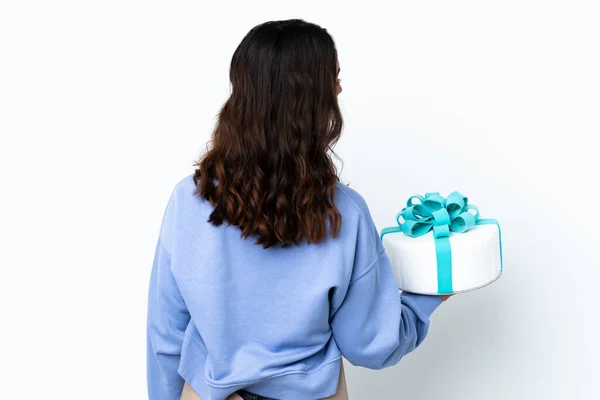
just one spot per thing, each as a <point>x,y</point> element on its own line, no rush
<point>105,105</point>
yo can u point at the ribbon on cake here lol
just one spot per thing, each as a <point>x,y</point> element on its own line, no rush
<point>442,216</point>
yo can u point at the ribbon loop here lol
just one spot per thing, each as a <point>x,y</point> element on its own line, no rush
<point>472,207</point>
<point>416,196</point>
<point>398,216</point>
<point>434,202</point>
<point>415,213</point>
<point>441,217</point>
<point>415,228</point>
<point>455,203</point>
<point>463,222</point>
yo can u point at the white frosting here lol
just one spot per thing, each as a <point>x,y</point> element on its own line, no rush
<point>475,259</point>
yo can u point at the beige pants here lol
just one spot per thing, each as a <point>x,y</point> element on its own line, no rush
<point>341,394</point>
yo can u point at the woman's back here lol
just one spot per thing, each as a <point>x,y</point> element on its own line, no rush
<point>261,312</point>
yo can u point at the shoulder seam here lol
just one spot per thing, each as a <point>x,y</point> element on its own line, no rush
<point>374,240</point>
<point>370,268</point>
<point>163,247</point>
<point>351,201</point>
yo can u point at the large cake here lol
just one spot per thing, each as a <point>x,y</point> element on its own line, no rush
<point>441,246</point>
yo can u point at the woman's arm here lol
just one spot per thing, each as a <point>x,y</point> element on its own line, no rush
<point>168,318</point>
<point>376,326</point>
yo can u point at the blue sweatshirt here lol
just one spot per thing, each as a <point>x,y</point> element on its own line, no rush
<point>226,314</point>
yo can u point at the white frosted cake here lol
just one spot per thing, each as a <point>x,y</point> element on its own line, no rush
<point>442,246</point>
<point>475,260</point>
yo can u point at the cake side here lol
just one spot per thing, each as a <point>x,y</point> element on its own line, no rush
<point>475,259</point>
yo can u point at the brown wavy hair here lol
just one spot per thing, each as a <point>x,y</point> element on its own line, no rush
<point>267,168</point>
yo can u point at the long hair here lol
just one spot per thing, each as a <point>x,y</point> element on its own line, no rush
<point>267,168</point>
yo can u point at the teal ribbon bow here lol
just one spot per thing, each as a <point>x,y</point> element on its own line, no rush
<point>442,216</point>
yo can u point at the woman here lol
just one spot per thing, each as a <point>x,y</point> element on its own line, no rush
<point>267,269</point>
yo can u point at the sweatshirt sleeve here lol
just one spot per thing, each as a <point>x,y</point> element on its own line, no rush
<point>375,325</point>
<point>168,318</point>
